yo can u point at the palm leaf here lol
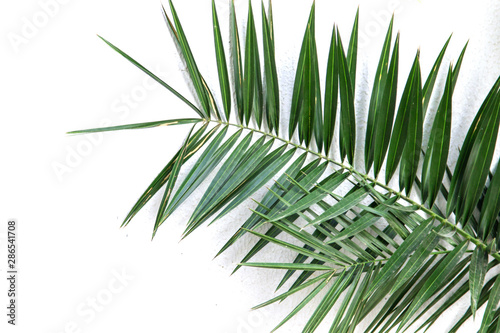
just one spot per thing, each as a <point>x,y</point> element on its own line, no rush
<point>330,211</point>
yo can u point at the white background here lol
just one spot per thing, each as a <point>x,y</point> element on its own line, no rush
<point>58,76</point>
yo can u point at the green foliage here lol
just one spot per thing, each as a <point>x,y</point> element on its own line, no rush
<point>399,269</point>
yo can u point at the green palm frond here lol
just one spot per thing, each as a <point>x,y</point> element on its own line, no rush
<point>395,253</point>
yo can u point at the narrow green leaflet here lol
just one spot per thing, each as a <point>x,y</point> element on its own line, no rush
<point>412,149</point>
<point>202,91</point>
<point>302,267</point>
<point>477,273</point>
<point>170,122</point>
<point>434,282</point>
<point>331,93</point>
<point>376,97</point>
<point>347,114</point>
<point>258,96</point>
<point>298,86</point>
<point>308,103</point>
<point>431,78</point>
<point>492,305</point>
<point>237,68</point>
<point>318,109</point>
<point>407,106</point>
<point>270,20</point>
<point>491,206</point>
<point>478,164</point>
<point>157,79</point>
<point>460,177</point>
<point>352,50</point>
<point>250,77</point>
<point>385,115</point>
<point>271,75</point>
<point>438,147</point>
<point>456,69</point>
<point>221,64</point>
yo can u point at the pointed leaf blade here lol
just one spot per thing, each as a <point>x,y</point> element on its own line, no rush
<point>477,273</point>
<point>436,155</point>
<point>271,75</point>
<point>237,68</point>
<point>431,78</point>
<point>376,96</point>
<point>221,64</point>
<point>151,124</point>
<point>157,79</point>
<point>347,115</point>
<point>352,50</point>
<point>385,116</point>
<point>331,93</point>
<point>400,131</point>
<point>491,206</point>
<point>459,177</point>
<point>412,150</point>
